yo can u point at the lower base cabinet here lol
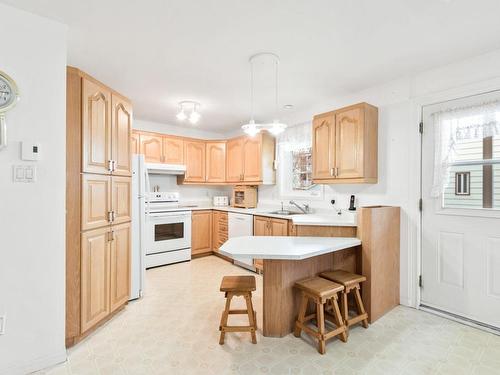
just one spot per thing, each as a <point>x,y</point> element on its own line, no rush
<point>105,273</point>
<point>268,226</point>
<point>201,232</point>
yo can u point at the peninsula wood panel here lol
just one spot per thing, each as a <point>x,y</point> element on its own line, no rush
<point>121,131</point>
<point>135,143</point>
<point>152,148</point>
<point>173,150</point>
<point>96,201</point>
<point>194,157</point>
<point>95,277</point>
<point>379,232</point>
<point>96,127</point>
<point>201,232</point>
<point>234,162</point>
<point>281,300</point>
<point>121,199</point>
<point>323,139</point>
<point>120,247</point>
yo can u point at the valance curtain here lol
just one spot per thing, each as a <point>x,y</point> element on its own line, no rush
<point>459,124</point>
<point>295,138</point>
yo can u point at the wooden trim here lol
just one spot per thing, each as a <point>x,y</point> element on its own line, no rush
<point>372,180</point>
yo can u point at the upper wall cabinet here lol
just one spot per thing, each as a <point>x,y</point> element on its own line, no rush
<point>216,161</point>
<point>135,143</point>
<point>345,145</point>
<point>194,156</point>
<point>152,148</point>
<point>173,150</point>
<point>250,160</point>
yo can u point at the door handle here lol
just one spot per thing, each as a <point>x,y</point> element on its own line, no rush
<point>110,165</point>
<point>332,172</point>
<point>111,216</point>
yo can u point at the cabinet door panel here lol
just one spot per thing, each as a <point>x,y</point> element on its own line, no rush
<point>261,226</point>
<point>94,277</point>
<point>96,128</point>
<point>152,148</point>
<point>135,145</point>
<point>121,199</point>
<point>234,162</point>
<point>173,150</point>
<point>121,131</point>
<point>252,161</point>
<point>194,157</point>
<point>279,227</point>
<point>201,232</point>
<point>216,161</point>
<point>96,201</point>
<point>323,153</point>
<point>120,247</point>
<point>349,143</point>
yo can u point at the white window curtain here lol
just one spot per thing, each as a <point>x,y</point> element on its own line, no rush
<point>455,125</point>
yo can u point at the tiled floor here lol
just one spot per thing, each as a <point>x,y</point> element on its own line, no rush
<point>174,330</point>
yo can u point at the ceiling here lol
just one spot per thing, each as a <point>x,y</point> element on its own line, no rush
<point>159,52</point>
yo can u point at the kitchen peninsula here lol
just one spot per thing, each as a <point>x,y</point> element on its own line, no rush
<point>374,252</point>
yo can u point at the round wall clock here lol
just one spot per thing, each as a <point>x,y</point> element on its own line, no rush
<point>9,95</point>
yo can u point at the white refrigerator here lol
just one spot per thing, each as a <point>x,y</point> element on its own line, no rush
<point>140,185</point>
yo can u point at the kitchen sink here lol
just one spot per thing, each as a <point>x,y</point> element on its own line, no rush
<point>285,212</point>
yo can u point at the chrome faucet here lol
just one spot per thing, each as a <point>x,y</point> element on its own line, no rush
<point>306,208</point>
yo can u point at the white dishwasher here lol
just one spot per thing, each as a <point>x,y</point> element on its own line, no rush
<point>240,225</point>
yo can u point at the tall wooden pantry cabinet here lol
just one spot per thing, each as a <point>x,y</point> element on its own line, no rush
<point>98,203</point>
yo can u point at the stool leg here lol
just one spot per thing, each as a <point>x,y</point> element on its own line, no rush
<point>344,304</point>
<point>251,318</point>
<point>338,318</point>
<point>223,320</point>
<point>320,314</point>
<point>301,316</point>
<point>361,308</point>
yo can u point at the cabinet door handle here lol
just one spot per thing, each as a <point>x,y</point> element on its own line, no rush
<point>332,171</point>
<point>110,216</point>
<point>336,171</point>
<point>111,236</point>
<point>110,165</point>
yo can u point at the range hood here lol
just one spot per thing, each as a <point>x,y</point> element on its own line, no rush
<point>157,168</point>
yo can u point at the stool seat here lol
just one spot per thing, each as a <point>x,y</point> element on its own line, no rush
<point>319,287</point>
<point>238,284</point>
<point>343,277</point>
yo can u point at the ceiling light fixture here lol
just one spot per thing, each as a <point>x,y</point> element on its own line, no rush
<point>276,127</point>
<point>187,105</point>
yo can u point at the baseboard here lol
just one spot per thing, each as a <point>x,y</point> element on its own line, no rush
<point>34,365</point>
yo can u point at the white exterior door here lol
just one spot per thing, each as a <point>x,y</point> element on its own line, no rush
<point>461,226</point>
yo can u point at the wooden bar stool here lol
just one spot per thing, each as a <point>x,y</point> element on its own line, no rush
<point>321,291</point>
<point>234,286</point>
<point>351,282</point>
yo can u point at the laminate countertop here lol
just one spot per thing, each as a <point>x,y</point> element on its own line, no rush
<point>281,247</point>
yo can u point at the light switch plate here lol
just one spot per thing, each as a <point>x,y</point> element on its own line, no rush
<point>2,324</point>
<point>30,151</point>
<point>24,173</point>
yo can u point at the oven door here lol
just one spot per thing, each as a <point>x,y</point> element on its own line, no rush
<point>168,231</point>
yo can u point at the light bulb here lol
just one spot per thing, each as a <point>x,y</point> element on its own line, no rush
<point>194,117</point>
<point>277,128</point>
<point>181,116</point>
<point>251,128</point>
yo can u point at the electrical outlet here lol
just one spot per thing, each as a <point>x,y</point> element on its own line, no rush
<point>2,324</point>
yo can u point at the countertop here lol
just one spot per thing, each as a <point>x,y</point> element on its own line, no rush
<point>347,219</point>
<point>280,247</point>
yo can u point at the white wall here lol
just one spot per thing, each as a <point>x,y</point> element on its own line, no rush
<point>185,130</point>
<point>32,216</point>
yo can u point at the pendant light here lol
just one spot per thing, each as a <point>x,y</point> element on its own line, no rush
<point>194,116</point>
<point>276,127</point>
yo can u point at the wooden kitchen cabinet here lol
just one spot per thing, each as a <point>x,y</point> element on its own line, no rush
<point>135,143</point>
<point>96,201</point>
<point>250,160</point>
<point>201,232</point>
<point>96,127</point>
<point>173,150</point>
<point>268,226</point>
<point>99,145</point>
<point>95,303</point>
<point>194,157</point>
<point>121,131</point>
<point>216,161</point>
<point>120,248</point>
<point>345,145</point>
<point>220,228</point>
<point>152,148</point>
